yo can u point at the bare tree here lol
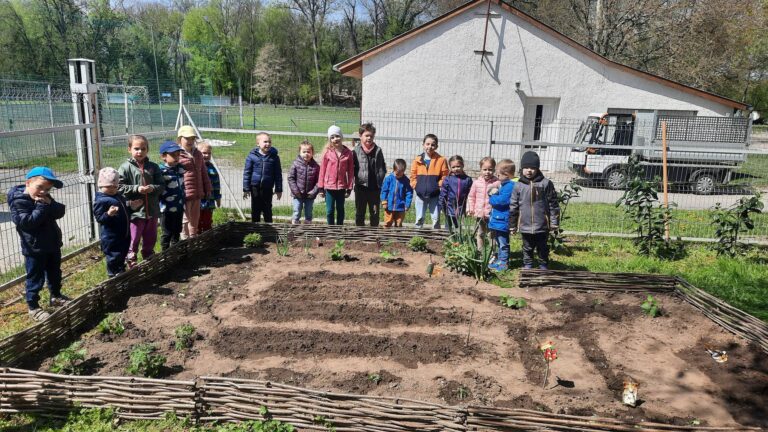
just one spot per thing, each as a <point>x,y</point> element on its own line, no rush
<point>349,8</point>
<point>315,11</point>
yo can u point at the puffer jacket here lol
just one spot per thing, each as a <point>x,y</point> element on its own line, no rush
<point>115,230</point>
<point>534,207</point>
<point>337,172</point>
<point>363,162</point>
<point>454,193</point>
<point>303,177</point>
<point>477,201</point>
<point>426,181</point>
<point>35,222</point>
<point>499,218</point>
<point>133,175</point>
<point>397,192</point>
<point>263,170</point>
<point>197,185</point>
<point>209,203</point>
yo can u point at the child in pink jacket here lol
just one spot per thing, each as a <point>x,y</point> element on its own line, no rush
<point>477,202</point>
<point>337,176</point>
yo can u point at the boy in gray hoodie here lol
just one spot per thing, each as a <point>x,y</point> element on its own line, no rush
<point>534,210</point>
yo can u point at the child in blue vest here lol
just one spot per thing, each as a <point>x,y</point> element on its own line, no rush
<point>498,223</point>
<point>454,192</point>
<point>34,212</point>
<point>172,199</point>
<point>112,213</point>
<point>396,195</point>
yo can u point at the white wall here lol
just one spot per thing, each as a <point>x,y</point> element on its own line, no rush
<point>438,72</point>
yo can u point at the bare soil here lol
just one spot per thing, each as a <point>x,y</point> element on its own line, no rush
<point>374,326</point>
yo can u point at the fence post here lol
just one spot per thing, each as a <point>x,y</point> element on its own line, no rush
<point>50,114</point>
<point>490,138</point>
<point>82,83</point>
<point>240,101</point>
<point>125,107</point>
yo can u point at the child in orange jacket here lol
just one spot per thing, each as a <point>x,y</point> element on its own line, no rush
<point>427,173</point>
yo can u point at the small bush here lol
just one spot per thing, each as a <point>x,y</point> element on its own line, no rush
<point>185,337</point>
<point>418,244</point>
<point>513,302</point>
<point>69,361</point>
<point>733,222</point>
<point>651,307</point>
<point>337,253</point>
<point>144,361</point>
<point>253,240</point>
<point>112,324</point>
<point>387,255</point>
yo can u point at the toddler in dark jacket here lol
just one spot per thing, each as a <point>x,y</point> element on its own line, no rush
<point>34,212</point>
<point>302,179</point>
<point>112,213</point>
<point>262,175</point>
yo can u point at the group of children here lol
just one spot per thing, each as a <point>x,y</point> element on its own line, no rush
<point>181,193</point>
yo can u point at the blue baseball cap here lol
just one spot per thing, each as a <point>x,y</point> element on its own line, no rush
<point>46,173</point>
<point>169,147</point>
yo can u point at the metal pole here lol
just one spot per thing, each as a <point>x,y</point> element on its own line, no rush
<point>50,114</point>
<point>125,107</point>
<point>157,78</point>
<point>490,138</point>
<point>240,100</point>
<point>665,177</point>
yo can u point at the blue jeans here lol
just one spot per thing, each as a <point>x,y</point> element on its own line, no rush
<point>502,243</point>
<point>39,268</point>
<point>334,200</point>
<point>305,204</point>
<point>422,205</point>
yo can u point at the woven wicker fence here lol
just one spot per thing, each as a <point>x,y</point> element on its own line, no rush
<point>230,399</point>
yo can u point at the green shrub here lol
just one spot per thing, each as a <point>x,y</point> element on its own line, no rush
<point>733,221</point>
<point>144,361</point>
<point>185,336</point>
<point>513,302</point>
<point>462,254</point>
<point>418,244</point>
<point>112,324</point>
<point>69,361</point>
<point>253,240</point>
<point>337,253</point>
<point>650,307</point>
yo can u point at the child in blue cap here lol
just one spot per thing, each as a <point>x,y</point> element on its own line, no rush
<point>34,212</point>
<point>172,198</point>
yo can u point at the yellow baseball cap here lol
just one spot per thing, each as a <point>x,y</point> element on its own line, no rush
<point>187,132</point>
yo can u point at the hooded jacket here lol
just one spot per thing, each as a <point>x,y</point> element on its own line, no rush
<point>263,170</point>
<point>303,177</point>
<point>426,181</point>
<point>197,185</point>
<point>337,172</point>
<point>133,175</point>
<point>363,164</point>
<point>454,193</point>
<point>534,208</point>
<point>397,192</point>
<point>35,222</point>
<point>115,230</point>
<point>499,218</point>
<point>477,201</point>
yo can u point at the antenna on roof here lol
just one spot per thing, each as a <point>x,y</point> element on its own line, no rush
<point>488,15</point>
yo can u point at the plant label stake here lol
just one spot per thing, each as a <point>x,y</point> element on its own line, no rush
<point>550,355</point>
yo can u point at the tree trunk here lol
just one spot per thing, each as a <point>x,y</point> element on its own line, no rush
<point>317,66</point>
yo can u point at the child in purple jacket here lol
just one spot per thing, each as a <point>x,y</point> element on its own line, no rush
<point>454,192</point>
<point>302,180</point>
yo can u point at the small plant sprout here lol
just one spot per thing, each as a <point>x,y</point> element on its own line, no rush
<point>512,302</point>
<point>112,324</point>
<point>462,392</point>
<point>284,243</point>
<point>69,361</point>
<point>651,307</point>
<point>143,361</point>
<point>387,255</point>
<point>185,337</point>
<point>337,252</point>
<point>324,422</point>
<point>253,240</point>
<point>374,378</point>
<point>418,244</point>
<point>550,354</point>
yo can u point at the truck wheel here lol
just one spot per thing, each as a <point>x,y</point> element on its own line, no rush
<point>616,179</point>
<point>704,183</point>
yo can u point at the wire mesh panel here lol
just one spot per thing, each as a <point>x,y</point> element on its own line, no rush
<point>705,129</point>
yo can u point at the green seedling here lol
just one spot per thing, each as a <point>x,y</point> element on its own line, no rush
<point>462,392</point>
<point>337,253</point>
<point>253,240</point>
<point>112,324</point>
<point>418,244</point>
<point>387,255</point>
<point>185,336</point>
<point>144,362</point>
<point>324,422</point>
<point>374,378</point>
<point>512,302</point>
<point>284,243</point>
<point>69,361</point>
<point>651,307</point>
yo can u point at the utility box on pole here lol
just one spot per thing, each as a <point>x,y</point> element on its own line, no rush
<point>82,84</point>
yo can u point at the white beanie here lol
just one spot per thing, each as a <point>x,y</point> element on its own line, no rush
<point>334,130</point>
<point>108,177</point>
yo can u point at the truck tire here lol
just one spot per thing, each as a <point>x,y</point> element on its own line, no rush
<point>704,183</point>
<point>616,178</point>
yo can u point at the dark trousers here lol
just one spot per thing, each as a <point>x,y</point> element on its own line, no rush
<point>261,202</point>
<point>42,267</point>
<point>367,199</point>
<point>334,204</point>
<point>115,251</point>
<point>172,225</point>
<point>538,242</point>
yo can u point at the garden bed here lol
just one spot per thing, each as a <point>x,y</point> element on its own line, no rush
<point>379,327</point>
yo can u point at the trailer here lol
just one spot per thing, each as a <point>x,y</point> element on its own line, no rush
<point>702,152</point>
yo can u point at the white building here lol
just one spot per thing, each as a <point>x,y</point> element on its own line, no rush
<point>533,82</point>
